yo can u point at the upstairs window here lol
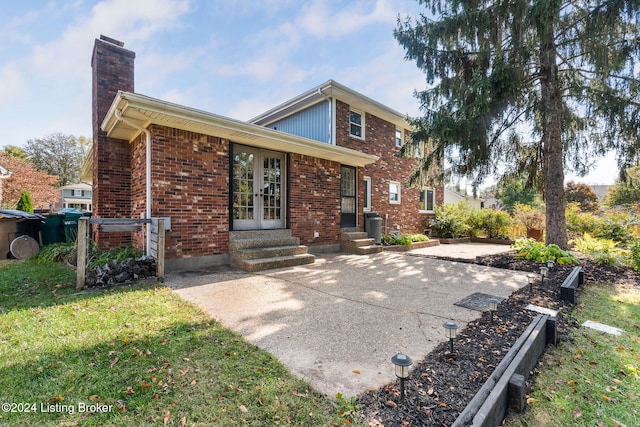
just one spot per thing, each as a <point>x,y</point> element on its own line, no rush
<point>398,138</point>
<point>427,200</point>
<point>356,124</point>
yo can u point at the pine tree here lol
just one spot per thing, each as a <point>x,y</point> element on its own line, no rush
<point>25,204</point>
<point>526,86</point>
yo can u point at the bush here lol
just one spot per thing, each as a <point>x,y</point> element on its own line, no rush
<point>489,223</point>
<point>532,250</point>
<point>601,251</point>
<point>25,203</point>
<point>418,237</point>
<point>579,222</point>
<point>396,239</point>
<point>617,225</point>
<point>532,217</point>
<point>451,220</point>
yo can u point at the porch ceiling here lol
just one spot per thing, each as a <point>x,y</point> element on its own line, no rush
<point>146,111</point>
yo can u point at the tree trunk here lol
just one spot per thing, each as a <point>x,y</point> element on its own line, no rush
<point>552,149</point>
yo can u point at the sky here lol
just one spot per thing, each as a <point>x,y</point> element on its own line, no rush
<point>236,58</point>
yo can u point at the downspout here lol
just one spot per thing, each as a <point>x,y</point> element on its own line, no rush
<point>147,134</point>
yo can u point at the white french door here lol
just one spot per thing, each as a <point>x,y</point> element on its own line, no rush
<point>258,189</point>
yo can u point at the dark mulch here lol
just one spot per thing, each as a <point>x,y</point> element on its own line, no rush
<point>443,383</point>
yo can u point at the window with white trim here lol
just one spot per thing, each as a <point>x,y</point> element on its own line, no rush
<point>427,200</point>
<point>367,194</point>
<point>398,137</point>
<point>394,192</point>
<point>356,124</point>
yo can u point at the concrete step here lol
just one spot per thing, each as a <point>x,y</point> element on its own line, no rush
<point>270,252</point>
<point>369,249</point>
<point>353,235</point>
<point>275,262</point>
<point>353,245</point>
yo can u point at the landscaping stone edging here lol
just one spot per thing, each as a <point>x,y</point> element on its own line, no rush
<point>506,385</point>
<point>448,241</point>
<point>414,245</point>
<point>492,241</point>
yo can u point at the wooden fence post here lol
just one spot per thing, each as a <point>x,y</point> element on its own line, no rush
<point>82,244</point>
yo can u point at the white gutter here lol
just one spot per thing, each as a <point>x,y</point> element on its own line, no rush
<point>147,134</point>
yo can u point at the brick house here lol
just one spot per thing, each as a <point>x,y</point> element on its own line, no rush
<point>292,180</point>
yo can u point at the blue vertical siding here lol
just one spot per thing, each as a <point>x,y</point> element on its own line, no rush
<point>312,122</point>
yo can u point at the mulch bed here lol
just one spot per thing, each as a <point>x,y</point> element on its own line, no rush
<point>443,383</point>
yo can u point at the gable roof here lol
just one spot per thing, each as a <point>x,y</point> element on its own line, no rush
<point>145,111</point>
<point>331,89</point>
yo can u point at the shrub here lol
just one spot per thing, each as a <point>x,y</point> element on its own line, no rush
<point>601,251</point>
<point>396,239</point>
<point>579,222</point>
<point>532,217</point>
<point>533,250</point>
<point>25,203</point>
<point>58,252</point>
<point>617,225</point>
<point>451,220</point>
<point>418,237</point>
<point>489,223</point>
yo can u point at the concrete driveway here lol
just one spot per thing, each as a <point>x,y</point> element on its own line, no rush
<point>336,323</point>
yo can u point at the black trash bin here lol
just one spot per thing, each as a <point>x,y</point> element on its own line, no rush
<point>373,226</point>
<point>367,217</point>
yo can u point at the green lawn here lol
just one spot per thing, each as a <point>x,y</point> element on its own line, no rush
<point>140,355</point>
<point>594,380</point>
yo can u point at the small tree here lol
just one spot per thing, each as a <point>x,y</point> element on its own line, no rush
<point>25,203</point>
<point>583,195</point>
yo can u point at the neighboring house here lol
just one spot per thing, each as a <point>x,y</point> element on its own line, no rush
<point>309,168</point>
<point>4,174</point>
<point>451,196</point>
<point>77,196</point>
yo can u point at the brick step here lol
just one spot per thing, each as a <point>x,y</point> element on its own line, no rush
<point>263,242</point>
<point>275,262</point>
<point>352,245</point>
<point>269,252</point>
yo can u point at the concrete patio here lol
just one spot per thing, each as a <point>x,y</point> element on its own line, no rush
<point>336,323</point>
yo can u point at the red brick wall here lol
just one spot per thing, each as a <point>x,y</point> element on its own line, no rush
<point>314,200</point>
<point>380,141</point>
<point>112,67</point>
<point>190,184</point>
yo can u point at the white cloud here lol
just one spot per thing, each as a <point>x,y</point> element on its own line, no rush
<point>321,21</point>
<point>13,85</point>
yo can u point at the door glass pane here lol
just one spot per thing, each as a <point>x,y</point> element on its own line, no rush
<point>243,186</point>
<point>271,197</point>
<point>348,182</point>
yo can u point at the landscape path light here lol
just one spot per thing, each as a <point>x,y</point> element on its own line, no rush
<point>531,278</point>
<point>493,306</point>
<point>543,272</point>
<point>550,264</point>
<point>451,331</point>
<point>402,363</point>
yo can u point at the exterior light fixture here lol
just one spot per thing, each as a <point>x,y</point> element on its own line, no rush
<point>402,363</point>
<point>450,331</point>
<point>550,264</point>
<point>543,272</point>
<point>493,306</point>
<point>531,278</point>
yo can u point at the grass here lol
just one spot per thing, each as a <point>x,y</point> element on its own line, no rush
<point>141,354</point>
<point>595,378</point>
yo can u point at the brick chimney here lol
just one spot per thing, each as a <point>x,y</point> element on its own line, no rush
<point>113,70</point>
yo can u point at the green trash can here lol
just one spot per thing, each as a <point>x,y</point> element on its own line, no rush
<point>52,230</point>
<point>70,222</point>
